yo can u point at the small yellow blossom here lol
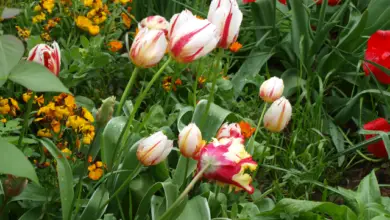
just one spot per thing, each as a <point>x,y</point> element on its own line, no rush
<point>87,3</point>
<point>14,106</point>
<point>94,30</point>
<point>83,23</point>
<point>45,132</point>
<point>201,80</point>
<point>4,106</point>
<point>56,126</point>
<point>39,18</point>
<point>37,8</point>
<point>23,32</point>
<point>67,153</point>
<point>45,36</point>
<point>3,120</point>
<point>95,171</point>
<point>48,5</point>
<point>126,20</point>
<point>87,115</point>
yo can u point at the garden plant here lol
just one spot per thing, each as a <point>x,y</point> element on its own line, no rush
<point>194,109</point>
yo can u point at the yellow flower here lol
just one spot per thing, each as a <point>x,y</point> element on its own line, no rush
<point>3,120</point>
<point>61,112</point>
<point>94,30</point>
<point>51,23</point>
<point>70,102</point>
<point>67,152</point>
<point>37,8</point>
<point>44,133</point>
<point>92,13</point>
<point>75,122</point>
<point>26,96</point>
<point>14,106</point>
<point>100,19</point>
<point>87,3</point>
<point>4,106</point>
<point>126,20</point>
<point>125,1</point>
<point>56,126</point>
<point>83,23</point>
<point>48,5</point>
<point>95,171</point>
<point>39,18</point>
<point>40,100</point>
<point>201,80</point>
<point>87,115</point>
<point>48,110</point>
<point>235,47</point>
<point>45,36</point>
<point>99,164</point>
<point>23,32</point>
<point>115,46</point>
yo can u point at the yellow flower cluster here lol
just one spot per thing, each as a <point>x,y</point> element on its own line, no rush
<point>39,18</point>
<point>96,16</point>
<point>37,100</point>
<point>63,110</point>
<point>8,106</point>
<point>23,32</point>
<point>96,170</point>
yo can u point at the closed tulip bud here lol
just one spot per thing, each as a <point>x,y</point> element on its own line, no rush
<point>50,57</point>
<point>226,15</point>
<point>191,38</point>
<point>278,115</point>
<point>271,89</point>
<point>190,141</point>
<point>155,22</point>
<point>148,48</point>
<point>154,149</point>
<point>229,130</point>
<point>104,113</point>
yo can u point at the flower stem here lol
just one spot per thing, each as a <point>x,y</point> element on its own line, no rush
<point>124,184</point>
<point>185,171</point>
<point>167,213</point>
<point>257,128</point>
<point>25,121</point>
<point>127,90</point>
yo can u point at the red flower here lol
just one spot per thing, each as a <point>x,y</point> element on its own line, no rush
<point>378,148</point>
<point>330,2</point>
<point>248,1</point>
<point>378,51</point>
<point>284,2</point>
<point>228,162</point>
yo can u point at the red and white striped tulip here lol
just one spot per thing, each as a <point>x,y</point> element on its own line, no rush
<point>48,56</point>
<point>226,15</point>
<point>190,141</point>
<point>154,149</point>
<point>155,22</point>
<point>271,89</point>
<point>229,131</point>
<point>148,48</point>
<point>191,38</point>
<point>278,115</point>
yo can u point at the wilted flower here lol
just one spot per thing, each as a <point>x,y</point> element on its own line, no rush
<point>191,38</point>
<point>148,48</point>
<point>378,148</point>
<point>154,149</point>
<point>271,89</point>
<point>378,51</point>
<point>190,141</point>
<point>155,22</point>
<point>229,130</point>
<point>50,57</point>
<point>227,17</point>
<point>228,162</point>
<point>278,115</point>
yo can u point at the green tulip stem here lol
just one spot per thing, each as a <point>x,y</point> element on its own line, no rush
<point>127,90</point>
<point>182,196</point>
<point>252,142</point>
<point>25,120</point>
<point>124,185</point>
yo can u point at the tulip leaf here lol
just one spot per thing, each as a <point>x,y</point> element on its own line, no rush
<point>34,193</point>
<point>93,209</point>
<point>65,177</point>
<point>196,208</point>
<point>36,77</point>
<point>34,213</point>
<point>337,139</point>
<point>14,162</point>
<point>9,13</point>
<point>11,51</point>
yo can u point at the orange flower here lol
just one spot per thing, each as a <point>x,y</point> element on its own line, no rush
<point>95,170</point>
<point>89,159</point>
<point>246,129</point>
<point>235,47</point>
<point>115,46</point>
<point>126,20</point>
<point>178,82</point>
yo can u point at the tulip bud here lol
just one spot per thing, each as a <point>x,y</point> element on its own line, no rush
<point>191,38</point>
<point>104,113</point>
<point>278,115</point>
<point>271,89</point>
<point>50,57</point>
<point>154,149</point>
<point>148,48</point>
<point>229,130</point>
<point>226,15</point>
<point>190,141</point>
<point>155,22</point>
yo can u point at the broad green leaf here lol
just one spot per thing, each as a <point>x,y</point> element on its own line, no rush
<point>36,77</point>
<point>337,139</point>
<point>32,214</point>
<point>65,178</point>
<point>368,192</point>
<point>197,208</point>
<point>34,193</point>
<point>184,118</point>
<point>263,13</point>
<point>381,218</point>
<point>13,161</point>
<point>10,13</point>
<point>378,16</point>
<point>93,209</point>
<point>11,51</point>
<point>111,135</point>
<point>84,42</point>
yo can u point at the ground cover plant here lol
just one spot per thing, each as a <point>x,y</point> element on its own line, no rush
<point>194,109</point>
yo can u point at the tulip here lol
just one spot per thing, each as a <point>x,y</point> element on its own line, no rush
<point>148,48</point>
<point>155,22</point>
<point>378,51</point>
<point>378,148</point>
<point>154,149</point>
<point>229,130</point>
<point>50,57</point>
<point>226,15</point>
<point>248,1</point>
<point>271,89</point>
<point>191,38</point>
<point>228,162</point>
<point>278,115</point>
<point>190,141</point>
